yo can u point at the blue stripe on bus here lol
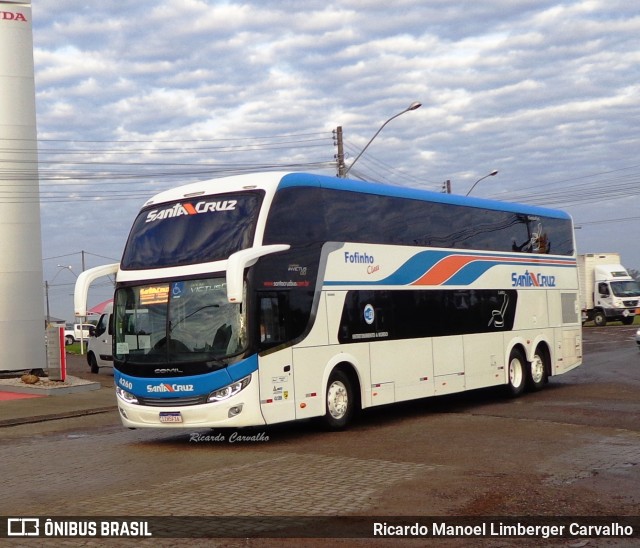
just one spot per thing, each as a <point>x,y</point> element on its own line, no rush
<point>243,368</point>
<point>420,264</point>
<point>415,267</point>
<point>168,387</point>
<point>471,272</point>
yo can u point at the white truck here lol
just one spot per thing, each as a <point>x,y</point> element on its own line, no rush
<point>99,350</point>
<point>77,331</point>
<point>607,291</point>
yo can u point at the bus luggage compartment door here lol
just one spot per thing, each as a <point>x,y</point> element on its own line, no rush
<point>448,365</point>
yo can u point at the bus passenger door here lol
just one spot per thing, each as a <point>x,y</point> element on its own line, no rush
<point>276,386</point>
<point>275,369</point>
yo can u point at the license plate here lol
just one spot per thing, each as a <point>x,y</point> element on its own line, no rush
<point>170,416</point>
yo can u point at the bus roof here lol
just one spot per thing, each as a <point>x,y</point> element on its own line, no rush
<point>307,179</point>
<point>272,181</point>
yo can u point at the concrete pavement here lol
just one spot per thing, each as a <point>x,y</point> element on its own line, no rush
<point>85,394</point>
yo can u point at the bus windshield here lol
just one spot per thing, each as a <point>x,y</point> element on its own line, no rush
<point>192,231</point>
<point>178,322</point>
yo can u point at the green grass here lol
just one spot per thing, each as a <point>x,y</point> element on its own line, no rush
<point>636,322</point>
<point>75,348</point>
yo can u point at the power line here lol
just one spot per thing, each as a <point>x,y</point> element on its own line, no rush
<point>582,191</point>
<point>78,253</point>
<point>607,221</point>
<point>154,140</point>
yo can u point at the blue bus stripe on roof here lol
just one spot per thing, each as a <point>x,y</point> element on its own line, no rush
<point>350,185</point>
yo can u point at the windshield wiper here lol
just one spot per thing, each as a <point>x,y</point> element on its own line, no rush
<point>172,325</point>
<point>216,361</point>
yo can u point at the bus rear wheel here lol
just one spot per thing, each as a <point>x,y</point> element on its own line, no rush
<point>339,402</point>
<point>517,373</point>
<point>538,369</point>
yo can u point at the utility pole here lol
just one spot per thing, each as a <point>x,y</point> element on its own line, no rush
<point>446,187</point>
<point>46,292</point>
<point>337,141</point>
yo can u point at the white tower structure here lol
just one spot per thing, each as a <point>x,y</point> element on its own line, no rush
<point>22,344</point>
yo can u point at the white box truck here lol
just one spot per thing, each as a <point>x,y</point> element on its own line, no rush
<point>607,291</point>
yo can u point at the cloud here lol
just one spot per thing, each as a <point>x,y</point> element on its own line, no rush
<point>542,90</point>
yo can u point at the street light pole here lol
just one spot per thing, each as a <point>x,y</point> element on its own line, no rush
<point>69,268</point>
<point>47,284</point>
<point>413,106</point>
<point>494,172</point>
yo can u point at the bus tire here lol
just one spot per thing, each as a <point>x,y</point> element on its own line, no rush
<point>538,368</point>
<point>516,373</point>
<point>339,401</point>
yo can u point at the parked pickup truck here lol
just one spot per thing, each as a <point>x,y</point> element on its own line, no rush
<point>75,332</point>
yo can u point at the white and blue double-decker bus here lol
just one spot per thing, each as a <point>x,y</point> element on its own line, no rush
<point>273,297</point>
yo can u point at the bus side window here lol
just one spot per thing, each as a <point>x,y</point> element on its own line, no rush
<point>272,322</point>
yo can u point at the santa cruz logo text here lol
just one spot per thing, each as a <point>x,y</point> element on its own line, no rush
<point>151,388</point>
<point>189,209</point>
<point>532,279</point>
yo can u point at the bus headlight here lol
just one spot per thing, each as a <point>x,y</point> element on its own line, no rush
<point>229,390</point>
<point>125,396</point>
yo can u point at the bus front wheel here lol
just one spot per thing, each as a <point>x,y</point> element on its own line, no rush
<point>340,401</point>
<point>517,372</point>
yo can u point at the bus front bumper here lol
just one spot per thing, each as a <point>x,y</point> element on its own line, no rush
<point>240,410</point>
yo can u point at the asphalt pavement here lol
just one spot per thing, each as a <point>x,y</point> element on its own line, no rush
<point>20,408</point>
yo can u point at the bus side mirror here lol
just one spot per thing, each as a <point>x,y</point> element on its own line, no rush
<point>238,261</point>
<point>84,281</point>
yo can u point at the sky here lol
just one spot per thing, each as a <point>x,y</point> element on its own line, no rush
<point>134,97</point>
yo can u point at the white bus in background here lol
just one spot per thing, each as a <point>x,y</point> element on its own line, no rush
<point>270,297</point>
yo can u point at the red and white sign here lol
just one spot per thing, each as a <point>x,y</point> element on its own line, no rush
<point>12,16</point>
